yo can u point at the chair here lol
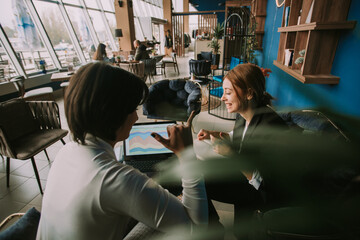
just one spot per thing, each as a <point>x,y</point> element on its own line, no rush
<point>313,122</point>
<point>200,68</point>
<point>173,100</point>
<point>171,62</point>
<point>150,69</point>
<point>43,93</point>
<point>27,128</point>
<point>24,228</point>
<point>137,68</point>
<point>204,56</point>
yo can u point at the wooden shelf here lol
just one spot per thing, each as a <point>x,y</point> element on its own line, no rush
<point>317,39</point>
<point>309,79</point>
<point>319,26</point>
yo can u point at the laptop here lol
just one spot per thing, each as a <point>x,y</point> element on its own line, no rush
<point>141,150</point>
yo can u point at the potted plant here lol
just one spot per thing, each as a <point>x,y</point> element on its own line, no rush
<point>300,59</point>
<point>215,45</point>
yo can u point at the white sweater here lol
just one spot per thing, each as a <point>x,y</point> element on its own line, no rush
<point>89,195</point>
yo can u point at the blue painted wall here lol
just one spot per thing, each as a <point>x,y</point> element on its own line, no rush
<point>343,98</point>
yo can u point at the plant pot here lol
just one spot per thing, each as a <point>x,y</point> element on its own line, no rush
<point>215,59</point>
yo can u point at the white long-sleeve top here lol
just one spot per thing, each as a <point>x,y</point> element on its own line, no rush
<point>89,195</point>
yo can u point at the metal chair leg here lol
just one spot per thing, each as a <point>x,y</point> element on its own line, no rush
<point>62,140</point>
<point>7,171</point>
<point>177,66</point>
<point>36,174</point>
<point>47,156</point>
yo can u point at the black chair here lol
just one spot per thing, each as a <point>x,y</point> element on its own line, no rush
<point>172,62</point>
<point>150,69</point>
<point>204,56</point>
<point>27,128</point>
<point>200,69</point>
<point>173,100</point>
<point>313,122</point>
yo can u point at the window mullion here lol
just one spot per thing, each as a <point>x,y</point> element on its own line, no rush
<point>71,31</point>
<point>43,34</point>
<point>11,53</point>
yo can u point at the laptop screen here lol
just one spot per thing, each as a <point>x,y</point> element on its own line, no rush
<point>141,145</point>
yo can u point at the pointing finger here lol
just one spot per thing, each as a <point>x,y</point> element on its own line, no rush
<point>190,119</point>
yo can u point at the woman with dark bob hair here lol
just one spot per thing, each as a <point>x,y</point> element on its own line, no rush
<point>244,94</point>
<point>89,194</point>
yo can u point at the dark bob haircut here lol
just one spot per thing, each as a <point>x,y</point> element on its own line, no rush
<point>99,98</point>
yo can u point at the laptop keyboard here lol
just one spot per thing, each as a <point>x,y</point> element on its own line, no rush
<point>144,166</point>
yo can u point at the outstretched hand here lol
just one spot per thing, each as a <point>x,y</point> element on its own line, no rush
<point>219,142</point>
<point>180,136</point>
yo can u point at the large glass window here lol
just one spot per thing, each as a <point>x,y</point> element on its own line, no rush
<point>112,24</point>
<point>91,4</point>
<point>7,70</point>
<point>99,26</point>
<point>78,22</point>
<point>108,5</point>
<point>22,34</point>
<point>55,27</point>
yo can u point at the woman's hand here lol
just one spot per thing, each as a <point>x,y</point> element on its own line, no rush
<point>180,136</point>
<point>219,142</point>
<point>203,134</point>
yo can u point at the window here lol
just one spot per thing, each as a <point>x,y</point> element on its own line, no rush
<point>108,5</point>
<point>22,34</point>
<point>55,27</point>
<point>82,32</point>
<point>99,26</point>
<point>7,70</point>
<point>91,4</point>
<point>112,24</point>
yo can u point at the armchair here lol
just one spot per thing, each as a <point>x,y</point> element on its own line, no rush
<point>173,100</point>
<point>150,68</point>
<point>200,68</point>
<point>27,128</point>
<point>204,56</point>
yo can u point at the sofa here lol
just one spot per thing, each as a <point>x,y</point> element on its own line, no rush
<point>173,100</point>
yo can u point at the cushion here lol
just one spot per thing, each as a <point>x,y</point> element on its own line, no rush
<point>17,119</point>
<point>206,55</point>
<point>38,91</point>
<point>177,84</point>
<point>218,78</point>
<point>190,86</point>
<point>234,62</point>
<point>25,228</point>
<point>26,146</point>
<point>182,94</point>
<point>194,96</point>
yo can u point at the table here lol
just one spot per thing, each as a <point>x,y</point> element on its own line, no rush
<point>138,68</point>
<point>157,57</point>
<point>61,76</point>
